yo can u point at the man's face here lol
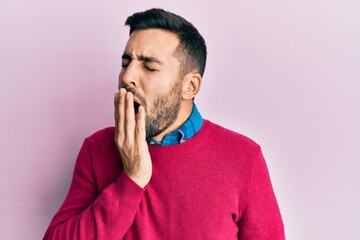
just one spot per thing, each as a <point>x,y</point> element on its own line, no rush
<point>151,72</point>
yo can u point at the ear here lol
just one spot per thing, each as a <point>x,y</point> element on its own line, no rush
<point>191,85</point>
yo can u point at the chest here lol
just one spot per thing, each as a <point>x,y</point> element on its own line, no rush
<point>190,197</point>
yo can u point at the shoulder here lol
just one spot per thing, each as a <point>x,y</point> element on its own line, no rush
<point>101,145</point>
<point>103,136</point>
<point>226,136</point>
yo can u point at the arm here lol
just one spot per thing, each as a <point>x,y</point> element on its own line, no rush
<point>84,214</point>
<point>261,218</point>
<point>87,215</point>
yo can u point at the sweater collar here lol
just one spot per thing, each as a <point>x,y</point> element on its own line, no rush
<point>190,127</point>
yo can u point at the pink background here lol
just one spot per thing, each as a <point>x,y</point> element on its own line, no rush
<point>285,73</point>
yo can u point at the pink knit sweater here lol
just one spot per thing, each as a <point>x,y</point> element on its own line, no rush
<point>214,186</point>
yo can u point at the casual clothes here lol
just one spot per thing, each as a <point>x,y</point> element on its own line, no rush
<point>215,185</point>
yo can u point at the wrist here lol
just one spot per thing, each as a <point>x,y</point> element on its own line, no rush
<point>141,181</point>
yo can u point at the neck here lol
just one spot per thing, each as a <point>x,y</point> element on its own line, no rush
<point>184,114</point>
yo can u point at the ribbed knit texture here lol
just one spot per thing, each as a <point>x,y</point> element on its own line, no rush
<point>214,186</point>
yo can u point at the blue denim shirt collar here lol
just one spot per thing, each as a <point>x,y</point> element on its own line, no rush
<point>191,126</point>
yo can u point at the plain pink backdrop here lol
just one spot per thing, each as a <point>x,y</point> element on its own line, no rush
<point>285,73</point>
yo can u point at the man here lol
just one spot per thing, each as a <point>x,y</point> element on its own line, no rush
<point>169,174</point>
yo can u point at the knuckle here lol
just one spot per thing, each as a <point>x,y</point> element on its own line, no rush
<point>127,143</point>
<point>128,121</point>
<point>117,138</point>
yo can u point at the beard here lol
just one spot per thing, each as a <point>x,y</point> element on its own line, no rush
<point>162,112</point>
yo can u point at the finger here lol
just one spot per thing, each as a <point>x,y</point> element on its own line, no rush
<point>129,118</point>
<point>140,126</point>
<point>116,112</point>
<point>121,113</point>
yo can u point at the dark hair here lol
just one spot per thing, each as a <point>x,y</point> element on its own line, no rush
<point>191,51</point>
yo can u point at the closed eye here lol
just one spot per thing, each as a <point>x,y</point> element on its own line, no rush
<point>149,68</point>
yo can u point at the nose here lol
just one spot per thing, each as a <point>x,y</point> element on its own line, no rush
<point>129,76</point>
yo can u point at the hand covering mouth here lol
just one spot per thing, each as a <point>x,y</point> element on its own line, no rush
<point>137,103</point>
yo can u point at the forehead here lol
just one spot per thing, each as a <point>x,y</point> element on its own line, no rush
<point>156,43</point>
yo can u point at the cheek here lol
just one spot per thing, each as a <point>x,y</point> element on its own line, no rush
<point>157,85</point>
<point>160,83</point>
<point>150,86</point>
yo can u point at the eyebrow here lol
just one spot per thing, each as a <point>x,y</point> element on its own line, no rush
<point>142,58</point>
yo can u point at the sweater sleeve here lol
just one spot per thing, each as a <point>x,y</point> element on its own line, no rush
<point>261,218</point>
<point>87,215</point>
